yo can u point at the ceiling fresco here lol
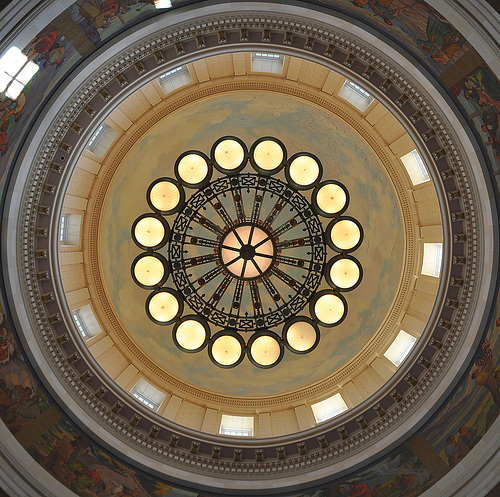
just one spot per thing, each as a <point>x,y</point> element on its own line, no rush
<point>301,127</point>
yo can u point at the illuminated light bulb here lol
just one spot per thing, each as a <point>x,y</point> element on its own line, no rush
<point>226,350</point>
<point>163,307</point>
<point>344,273</point>
<point>331,198</point>
<point>265,350</point>
<point>229,154</point>
<point>149,232</point>
<point>268,155</point>
<point>301,336</point>
<point>193,169</point>
<point>190,334</point>
<point>345,234</point>
<point>329,309</point>
<point>304,170</point>
<point>165,196</point>
<point>149,270</point>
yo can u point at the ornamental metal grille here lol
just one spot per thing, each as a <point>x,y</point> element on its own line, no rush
<point>247,252</point>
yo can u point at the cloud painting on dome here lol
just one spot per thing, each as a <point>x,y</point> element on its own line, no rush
<point>301,127</point>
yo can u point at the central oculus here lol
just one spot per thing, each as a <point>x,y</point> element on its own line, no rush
<point>247,251</point>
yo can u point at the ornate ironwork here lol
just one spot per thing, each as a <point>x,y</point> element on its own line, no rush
<point>247,251</point>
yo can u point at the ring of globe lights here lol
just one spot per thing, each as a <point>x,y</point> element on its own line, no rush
<point>256,246</point>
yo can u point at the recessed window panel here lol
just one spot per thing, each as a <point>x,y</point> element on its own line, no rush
<point>267,62</point>
<point>433,258</point>
<point>415,167</point>
<point>86,322</point>
<point>329,408</point>
<point>15,72</point>
<point>355,95</point>
<point>236,426</point>
<point>148,394</point>
<point>163,4</point>
<point>69,229</point>
<point>80,324</point>
<point>102,139</point>
<point>400,348</point>
<point>63,229</point>
<point>174,79</point>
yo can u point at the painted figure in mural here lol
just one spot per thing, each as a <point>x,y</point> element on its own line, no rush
<point>484,87</point>
<point>56,460</point>
<point>91,11</point>
<point>335,490</point>
<point>6,347</point>
<point>486,376</point>
<point>360,490</point>
<point>451,451</point>
<point>380,7</point>
<point>43,45</point>
<point>9,107</point>
<point>443,40</point>
<point>467,440</point>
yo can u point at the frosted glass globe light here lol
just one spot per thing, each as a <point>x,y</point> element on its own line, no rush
<point>226,350</point>
<point>165,196</point>
<point>301,336</point>
<point>331,198</point>
<point>268,155</point>
<point>265,350</point>
<point>163,307</point>
<point>304,170</point>
<point>344,273</point>
<point>149,231</point>
<point>345,234</point>
<point>190,334</point>
<point>149,270</point>
<point>193,169</point>
<point>229,154</point>
<point>329,309</point>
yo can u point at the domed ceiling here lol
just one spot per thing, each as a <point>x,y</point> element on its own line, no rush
<point>301,127</point>
<point>396,437</point>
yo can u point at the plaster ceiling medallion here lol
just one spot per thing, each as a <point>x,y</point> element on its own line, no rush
<point>247,252</point>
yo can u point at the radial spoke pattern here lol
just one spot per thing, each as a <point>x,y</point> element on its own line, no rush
<point>246,252</point>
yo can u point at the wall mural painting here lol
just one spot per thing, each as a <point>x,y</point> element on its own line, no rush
<point>474,406</point>
<point>479,94</point>
<point>399,474</point>
<point>89,471</point>
<point>414,24</point>
<point>21,398</point>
